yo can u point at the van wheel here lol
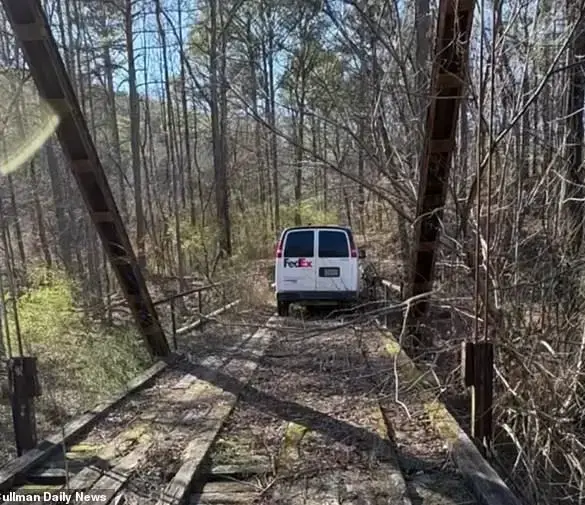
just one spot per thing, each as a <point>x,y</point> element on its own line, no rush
<point>283,309</point>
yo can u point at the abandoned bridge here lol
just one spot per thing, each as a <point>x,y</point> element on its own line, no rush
<point>279,410</point>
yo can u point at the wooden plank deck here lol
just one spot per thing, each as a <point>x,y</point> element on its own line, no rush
<point>208,428</point>
<point>18,467</point>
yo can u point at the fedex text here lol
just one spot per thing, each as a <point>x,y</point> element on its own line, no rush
<point>298,263</point>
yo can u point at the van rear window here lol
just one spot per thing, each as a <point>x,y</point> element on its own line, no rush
<point>333,244</point>
<point>299,244</point>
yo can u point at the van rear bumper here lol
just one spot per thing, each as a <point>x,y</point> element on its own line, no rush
<point>317,296</point>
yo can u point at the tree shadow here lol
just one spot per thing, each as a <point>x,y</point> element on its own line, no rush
<point>364,442</point>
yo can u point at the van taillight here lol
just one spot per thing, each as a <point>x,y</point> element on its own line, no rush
<point>354,252</point>
<point>279,250</point>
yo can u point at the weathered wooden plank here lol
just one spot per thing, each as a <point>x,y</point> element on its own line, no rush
<point>224,499</point>
<point>113,480</point>
<point>19,466</point>
<point>247,466</point>
<point>198,448</point>
<point>483,480</point>
<point>230,486</point>
<point>101,477</point>
<point>335,486</point>
<point>104,460</point>
<point>246,498</point>
<point>107,481</point>
<point>226,493</point>
<point>86,478</point>
<point>195,453</point>
<point>394,479</point>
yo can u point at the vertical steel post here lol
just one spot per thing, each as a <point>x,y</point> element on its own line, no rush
<point>23,387</point>
<point>173,323</point>
<point>448,82</point>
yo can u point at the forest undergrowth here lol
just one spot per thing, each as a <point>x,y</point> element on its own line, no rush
<point>88,348</point>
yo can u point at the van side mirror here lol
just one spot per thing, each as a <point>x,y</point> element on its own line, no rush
<point>361,253</point>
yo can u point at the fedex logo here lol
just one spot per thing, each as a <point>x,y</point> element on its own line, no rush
<point>300,263</point>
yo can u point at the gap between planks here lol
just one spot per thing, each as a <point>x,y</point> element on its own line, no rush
<point>108,457</point>
<point>110,471</point>
<point>189,389</point>
<point>177,491</point>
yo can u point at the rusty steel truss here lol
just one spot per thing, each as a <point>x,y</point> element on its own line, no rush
<point>448,82</point>
<point>30,26</point>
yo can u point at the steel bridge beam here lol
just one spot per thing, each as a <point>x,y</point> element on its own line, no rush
<point>448,82</point>
<point>30,26</point>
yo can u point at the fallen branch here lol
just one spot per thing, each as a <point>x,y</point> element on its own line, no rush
<point>203,319</point>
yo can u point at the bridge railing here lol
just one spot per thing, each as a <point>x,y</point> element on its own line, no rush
<point>390,292</point>
<point>187,310</point>
<point>178,310</point>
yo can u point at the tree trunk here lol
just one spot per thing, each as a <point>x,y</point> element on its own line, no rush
<point>44,243</point>
<point>273,137</point>
<point>574,192</point>
<point>17,227</point>
<point>218,125</point>
<point>63,224</point>
<point>175,171</point>
<point>187,133</point>
<point>111,97</point>
<point>135,135</point>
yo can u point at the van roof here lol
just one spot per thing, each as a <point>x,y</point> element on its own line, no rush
<point>312,227</point>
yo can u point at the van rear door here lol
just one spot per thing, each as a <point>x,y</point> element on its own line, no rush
<point>336,266</point>
<point>296,268</point>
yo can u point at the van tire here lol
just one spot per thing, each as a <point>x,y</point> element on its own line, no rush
<point>283,308</point>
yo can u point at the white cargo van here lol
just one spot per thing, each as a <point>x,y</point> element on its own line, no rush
<point>316,265</point>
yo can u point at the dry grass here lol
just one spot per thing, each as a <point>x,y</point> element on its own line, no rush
<point>538,392</point>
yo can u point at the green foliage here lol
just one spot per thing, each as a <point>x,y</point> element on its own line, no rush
<point>112,355</point>
<point>311,213</point>
<point>76,357</point>
<point>198,240</point>
<point>46,311</point>
<point>252,236</point>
